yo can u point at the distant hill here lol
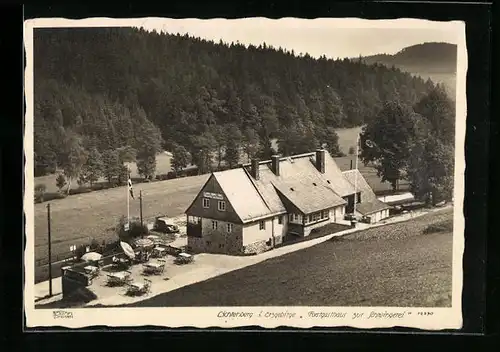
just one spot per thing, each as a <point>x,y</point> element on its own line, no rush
<point>437,61</point>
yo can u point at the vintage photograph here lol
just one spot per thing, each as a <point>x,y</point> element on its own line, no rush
<point>289,172</point>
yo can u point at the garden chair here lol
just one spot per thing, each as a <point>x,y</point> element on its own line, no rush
<point>147,287</point>
<point>92,271</point>
<point>139,288</point>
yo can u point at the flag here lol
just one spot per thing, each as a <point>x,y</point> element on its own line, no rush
<point>130,187</point>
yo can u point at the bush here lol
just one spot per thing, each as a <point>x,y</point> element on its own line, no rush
<point>111,247</point>
<point>100,186</point>
<point>60,181</point>
<point>40,192</point>
<point>80,251</point>
<point>94,245</point>
<point>53,195</point>
<point>80,190</point>
<point>135,229</point>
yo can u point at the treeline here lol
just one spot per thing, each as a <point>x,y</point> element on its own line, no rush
<point>118,94</point>
<point>415,143</point>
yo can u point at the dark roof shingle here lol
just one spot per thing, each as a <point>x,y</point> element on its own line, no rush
<point>367,208</point>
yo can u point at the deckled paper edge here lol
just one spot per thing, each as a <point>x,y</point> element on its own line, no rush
<point>207,317</point>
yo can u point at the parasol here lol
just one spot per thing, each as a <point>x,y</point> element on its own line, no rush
<point>128,250</point>
<point>155,239</point>
<point>91,256</point>
<point>144,243</point>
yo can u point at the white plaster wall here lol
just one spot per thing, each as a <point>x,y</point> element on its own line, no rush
<point>337,213</point>
<point>280,229</point>
<point>252,233</point>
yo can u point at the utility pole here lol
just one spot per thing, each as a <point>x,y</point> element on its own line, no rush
<point>140,205</point>
<point>356,176</point>
<point>50,250</point>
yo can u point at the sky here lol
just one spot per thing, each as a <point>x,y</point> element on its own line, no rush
<point>334,38</point>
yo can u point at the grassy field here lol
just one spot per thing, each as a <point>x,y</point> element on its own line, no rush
<point>347,138</point>
<point>78,218</point>
<point>393,265</point>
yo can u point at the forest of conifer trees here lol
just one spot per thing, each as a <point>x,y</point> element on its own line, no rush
<point>104,96</point>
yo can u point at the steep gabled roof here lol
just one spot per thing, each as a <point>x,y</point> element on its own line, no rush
<point>369,201</point>
<point>312,191</point>
<point>367,208</point>
<point>300,186</point>
<point>356,179</point>
<point>242,194</point>
<point>337,180</point>
<point>307,197</point>
<point>267,191</point>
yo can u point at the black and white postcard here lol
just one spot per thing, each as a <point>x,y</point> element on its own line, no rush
<point>246,172</point>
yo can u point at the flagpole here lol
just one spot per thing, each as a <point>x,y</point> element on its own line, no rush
<point>356,176</point>
<point>128,202</point>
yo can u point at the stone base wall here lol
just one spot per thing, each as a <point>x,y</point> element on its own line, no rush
<point>196,244</point>
<point>278,240</point>
<point>257,247</point>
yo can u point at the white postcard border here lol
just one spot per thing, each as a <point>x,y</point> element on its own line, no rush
<point>266,317</point>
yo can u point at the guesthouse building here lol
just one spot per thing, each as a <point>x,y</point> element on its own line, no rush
<point>255,207</point>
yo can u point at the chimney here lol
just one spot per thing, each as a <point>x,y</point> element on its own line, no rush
<point>255,169</point>
<point>320,160</point>
<point>275,164</point>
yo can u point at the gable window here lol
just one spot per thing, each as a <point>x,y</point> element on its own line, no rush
<point>221,205</point>
<point>262,225</point>
<point>214,225</point>
<point>206,203</point>
<point>229,227</point>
